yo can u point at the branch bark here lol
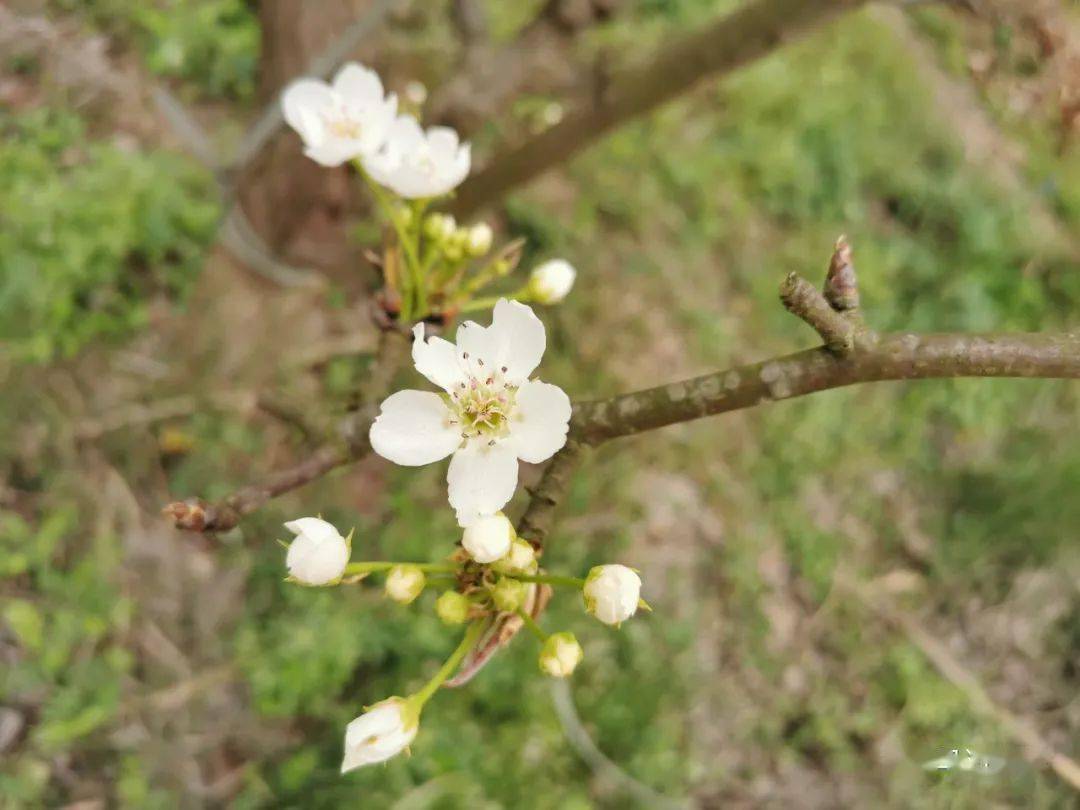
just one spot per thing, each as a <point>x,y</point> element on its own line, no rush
<point>349,444</point>
<point>899,356</point>
<point>729,43</point>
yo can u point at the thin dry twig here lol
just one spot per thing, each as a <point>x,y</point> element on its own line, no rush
<point>952,669</point>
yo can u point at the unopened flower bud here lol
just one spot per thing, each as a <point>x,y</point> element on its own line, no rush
<point>612,593</point>
<point>439,227</point>
<point>381,732</point>
<point>550,282</point>
<point>318,555</point>
<point>508,594</point>
<point>560,655</point>
<point>416,93</point>
<point>452,607</point>
<point>520,559</point>
<point>480,237</point>
<point>488,538</point>
<point>404,583</point>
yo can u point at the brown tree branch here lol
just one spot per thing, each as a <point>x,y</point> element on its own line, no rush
<point>349,444</point>
<point>803,299</point>
<point>731,42</point>
<point>538,60</point>
<point>539,516</point>
<point>900,356</point>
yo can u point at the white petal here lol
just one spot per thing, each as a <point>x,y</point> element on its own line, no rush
<point>481,479</point>
<point>413,428</point>
<point>358,85</point>
<point>519,338</point>
<point>304,96</point>
<point>540,422</point>
<point>436,359</point>
<point>476,343</point>
<point>315,528</point>
<point>405,134</point>
<point>444,144</point>
<point>334,152</point>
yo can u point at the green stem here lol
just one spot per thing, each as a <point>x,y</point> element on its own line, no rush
<point>530,622</point>
<point>468,641</point>
<point>371,567</point>
<point>551,579</point>
<point>407,241</point>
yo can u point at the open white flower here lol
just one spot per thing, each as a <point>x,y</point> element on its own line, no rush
<point>491,415</point>
<point>381,732</point>
<point>318,555</point>
<point>612,593</point>
<point>347,119</point>
<point>552,281</point>
<point>416,164</point>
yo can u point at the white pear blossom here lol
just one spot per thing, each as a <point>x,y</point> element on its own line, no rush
<point>550,282</point>
<point>612,593</point>
<point>415,163</point>
<point>490,416</point>
<point>488,538</point>
<point>560,655</point>
<point>318,554</point>
<point>404,583</point>
<point>381,732</point>
<point>346,119</point>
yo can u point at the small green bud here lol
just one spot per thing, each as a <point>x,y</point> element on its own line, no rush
<point>520,559</point>
<point>404,583</point>
<point>453,607</point>
<point>508,594</point>
<point>560,655</point>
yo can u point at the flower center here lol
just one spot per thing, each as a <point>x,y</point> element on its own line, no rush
<point>341,124</point>
<point>424,162</point>
<point>483,406</point>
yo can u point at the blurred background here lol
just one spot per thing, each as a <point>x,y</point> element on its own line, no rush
<point>166,256</point>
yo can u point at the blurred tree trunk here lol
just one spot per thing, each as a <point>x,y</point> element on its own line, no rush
<point>297,207</point>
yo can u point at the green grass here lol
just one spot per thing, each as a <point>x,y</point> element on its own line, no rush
<point>693,216</point>
<point>92,233</point>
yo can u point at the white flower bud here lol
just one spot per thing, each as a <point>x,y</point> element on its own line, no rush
<point>439,227</point>
<point>318,554</point>
<point>550,282</point>
<point>452,607</point>
<point>404,583</point>
<point>508,594</point>
<point>416,93</point>
<point>612,593</point>
<point>521,558</point>
<point>381,732</point>
<point>560,655</point>
<point>488,538</point>
<point>480,237</point>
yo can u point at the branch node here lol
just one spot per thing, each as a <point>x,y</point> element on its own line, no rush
<point>803,299</point>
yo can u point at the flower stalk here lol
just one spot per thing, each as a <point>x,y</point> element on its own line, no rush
<point>468,641</point>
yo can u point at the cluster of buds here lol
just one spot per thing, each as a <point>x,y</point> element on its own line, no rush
<point>432,267</point>
<point>490,415</point>
<point>494,573</point>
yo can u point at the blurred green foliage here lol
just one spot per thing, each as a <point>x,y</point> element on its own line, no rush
<point>212,44</point>
<point>699,211</point>
<point>90,233</point>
